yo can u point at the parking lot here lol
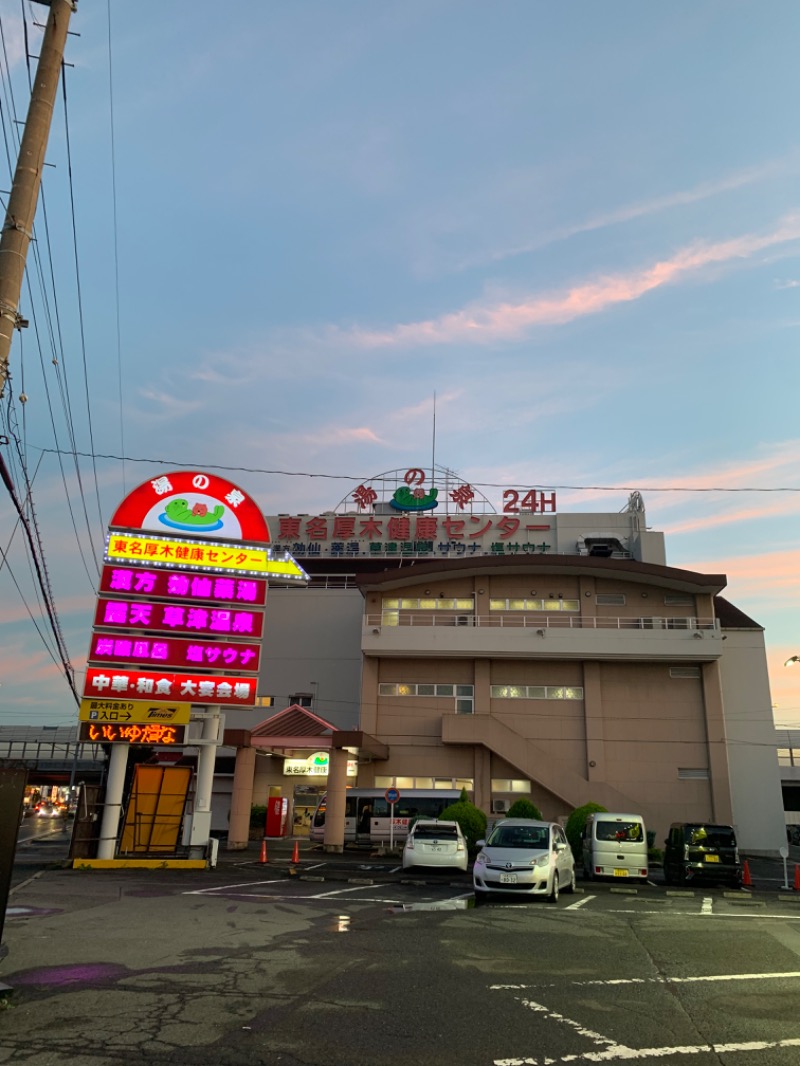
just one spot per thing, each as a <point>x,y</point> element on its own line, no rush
<point>349,960</point>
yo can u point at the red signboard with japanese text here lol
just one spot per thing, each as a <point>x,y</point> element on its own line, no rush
<point>178,618</point>
<point>167,651</point>
<point>180,586</point>
<point>168,687</point>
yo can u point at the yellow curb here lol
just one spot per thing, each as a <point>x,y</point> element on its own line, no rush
<point>139,864</point>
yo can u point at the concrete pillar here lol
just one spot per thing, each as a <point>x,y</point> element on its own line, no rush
<point>721,806</point>
<point>115,784</point>
<point>337,786</point>
<point>242,799</point>
<point>594,721</point>
<point>200,833</point>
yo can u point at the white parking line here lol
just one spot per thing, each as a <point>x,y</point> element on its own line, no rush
<point>580,903</point>
<point>708,906</point>
<point>606,1049</point>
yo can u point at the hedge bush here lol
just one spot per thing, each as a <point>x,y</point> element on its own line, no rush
<point>575,824</point>
<point>471,819</point>
<point>523,808</point>
<point>258,816</point>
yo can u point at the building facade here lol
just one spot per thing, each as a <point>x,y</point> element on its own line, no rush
<point>520,652</point>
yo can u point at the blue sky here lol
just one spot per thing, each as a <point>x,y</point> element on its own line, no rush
<point>577,224</point>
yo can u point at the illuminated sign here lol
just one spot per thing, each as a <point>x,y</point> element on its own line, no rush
<point>133,712</point>
<point>194,503</point>
<point>315,765</point>
<point>216,557</point>
<point>114,733</point>
<point>166,688</point>
<point>163,651</point>
<point>179,585</point>
<point>174,618</point>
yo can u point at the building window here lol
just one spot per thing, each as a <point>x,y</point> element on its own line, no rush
<point>610,599</point>
<point>785,757</point>
<point>391,607</point>
<point>684,671</point>
<point>505,784</point>
<point>536,692</point>
<point>424,782</point>
<point>464,694</point>
<point>534,605</point>
<point>678,600</point>
<point>692,774</point>
<point>302,699</point>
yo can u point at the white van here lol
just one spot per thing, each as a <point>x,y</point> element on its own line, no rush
<point>615,845</point>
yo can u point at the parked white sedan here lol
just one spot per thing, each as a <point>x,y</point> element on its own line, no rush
<point>524,857</point>
<point>432,843</point>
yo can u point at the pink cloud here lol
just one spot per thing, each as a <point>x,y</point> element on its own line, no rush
<point>510,321</point>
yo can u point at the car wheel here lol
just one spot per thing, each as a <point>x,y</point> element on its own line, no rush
<point>553,897</point>
<point>571,886</point>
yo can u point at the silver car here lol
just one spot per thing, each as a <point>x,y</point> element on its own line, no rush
<point>432,843</point>
<point>524,858</point>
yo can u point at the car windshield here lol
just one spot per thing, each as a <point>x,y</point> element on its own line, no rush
<point>435,832</point>
<point>520,836</point>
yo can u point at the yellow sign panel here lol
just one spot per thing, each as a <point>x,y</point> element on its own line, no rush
<point>202,555</point>
<point>133,712</point>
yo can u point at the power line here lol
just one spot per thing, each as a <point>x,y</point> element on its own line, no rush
<point>194,464</point>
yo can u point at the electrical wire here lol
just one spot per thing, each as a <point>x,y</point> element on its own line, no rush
<point>194,465</point>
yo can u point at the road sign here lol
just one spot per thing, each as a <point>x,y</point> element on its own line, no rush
<point>391,795</point>
<point>134,712</point>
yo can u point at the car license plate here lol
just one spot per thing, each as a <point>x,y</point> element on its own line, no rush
<point>620,873</point>
<point>508,879</point>
<point>711,858</point>
<point>434,847</point>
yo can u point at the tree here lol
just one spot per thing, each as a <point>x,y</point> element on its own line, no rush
<point>575,824</point>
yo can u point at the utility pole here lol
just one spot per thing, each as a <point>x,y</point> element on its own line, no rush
<point>18,225</point>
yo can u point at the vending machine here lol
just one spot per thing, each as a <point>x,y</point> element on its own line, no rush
<point>277,816</point>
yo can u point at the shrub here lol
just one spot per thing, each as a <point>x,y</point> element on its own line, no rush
<point>258,816</point>
<point>523,808</point>
<point>575,824</point>
<point>471,819</point>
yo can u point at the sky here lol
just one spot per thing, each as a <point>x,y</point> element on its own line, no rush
<point>270,234</point>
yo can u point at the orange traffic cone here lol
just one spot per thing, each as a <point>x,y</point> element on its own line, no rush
<point>263,856</point>
<point>747,881</point>
<point>296,852</point>
<point>797,878</point>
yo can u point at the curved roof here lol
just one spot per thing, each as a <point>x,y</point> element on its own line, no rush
<point>590,566</point>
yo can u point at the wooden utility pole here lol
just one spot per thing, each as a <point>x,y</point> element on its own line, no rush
<point>21,210</point>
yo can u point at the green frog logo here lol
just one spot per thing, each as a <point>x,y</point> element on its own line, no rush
<point>179,515</point>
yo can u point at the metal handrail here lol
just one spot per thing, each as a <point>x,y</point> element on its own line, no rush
<point>542,620</point>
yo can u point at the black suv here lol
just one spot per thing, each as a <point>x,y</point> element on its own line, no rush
<point>696,851</point>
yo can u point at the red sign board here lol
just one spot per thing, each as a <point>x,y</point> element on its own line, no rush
<point>179,618</point>
<point>181,586</point>
<point>113,733</point>
<point>193,504</point>
<point>159,652</point>
<point>167,688</point>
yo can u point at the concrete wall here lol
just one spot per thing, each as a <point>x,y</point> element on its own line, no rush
<point>750,733</point>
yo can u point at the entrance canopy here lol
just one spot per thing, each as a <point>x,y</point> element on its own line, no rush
<point>298,728</point>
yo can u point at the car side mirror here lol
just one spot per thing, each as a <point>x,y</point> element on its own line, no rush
<point>480,843</point>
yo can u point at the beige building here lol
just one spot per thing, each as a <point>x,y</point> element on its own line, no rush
<point>557,658</point>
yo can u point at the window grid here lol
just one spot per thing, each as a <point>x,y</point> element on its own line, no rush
<point>684,671</point>
<point>534,605</point>
<point>428,603</point>
<point>403,688</point>
<point>536,692</point>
